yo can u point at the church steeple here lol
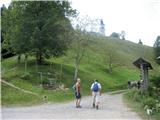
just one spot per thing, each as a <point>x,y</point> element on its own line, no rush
<point>102,27</point>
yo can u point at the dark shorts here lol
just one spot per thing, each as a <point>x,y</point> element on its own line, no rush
<point>78,96</point>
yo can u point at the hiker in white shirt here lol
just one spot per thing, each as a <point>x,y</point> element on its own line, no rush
<point>96,93</point>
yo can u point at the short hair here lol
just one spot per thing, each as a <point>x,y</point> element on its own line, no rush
<point>78,79</point>
<point>95,80</point>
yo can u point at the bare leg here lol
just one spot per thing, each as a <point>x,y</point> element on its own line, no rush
<point>79,101</point>
<point>76,102</point>
<point>94,100</point>
<point>97,101</point>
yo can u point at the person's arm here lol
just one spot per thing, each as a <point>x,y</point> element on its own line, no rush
<point>91,88</point>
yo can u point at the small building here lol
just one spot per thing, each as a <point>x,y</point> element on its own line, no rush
<point>102,27</point>
<point>144,66</point>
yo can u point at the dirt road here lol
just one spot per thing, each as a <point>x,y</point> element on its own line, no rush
<point>112,107</point>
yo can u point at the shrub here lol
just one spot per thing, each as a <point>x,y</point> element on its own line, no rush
<point>26,76</point>
<point>145,99</point>
<point>156,81</point>
<point>150,102</point>
<point>137,96</point>
<point>134,95</point>
<point>157,106</point>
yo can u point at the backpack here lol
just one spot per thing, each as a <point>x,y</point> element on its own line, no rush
<point>74,87</point>
<point>95,87</point>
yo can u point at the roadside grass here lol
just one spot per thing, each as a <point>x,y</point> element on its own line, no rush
<point>138,107</point>
<point>118,92</point>
<point>14,97</point>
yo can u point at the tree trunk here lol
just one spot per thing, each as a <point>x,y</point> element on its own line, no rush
<point>39,57</point>
<point>19,58</point>
<point>26,56</point>
<point>36,64</point>
<point>76,72</point>
<point>79,55</point>
<point>110,64</point>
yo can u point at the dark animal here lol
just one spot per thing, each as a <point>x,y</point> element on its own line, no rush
<point>136,84</point>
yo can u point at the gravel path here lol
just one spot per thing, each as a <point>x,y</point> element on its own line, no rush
<point>112,107</point>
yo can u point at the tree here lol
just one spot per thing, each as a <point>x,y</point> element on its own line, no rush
<point>80,41</point>
<point>115,35</point>
<point>157,49</point>
<point>110,56</point>
<point>13,36</point>
<point>123,35</point>
<point>39,27</point>
<point>5,51</point>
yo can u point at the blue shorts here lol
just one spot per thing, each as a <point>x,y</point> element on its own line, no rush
<point>78,96</point>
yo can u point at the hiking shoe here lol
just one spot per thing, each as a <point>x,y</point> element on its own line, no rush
<point>97,107</point>
<point>93,105</point>
<point>79,106</point>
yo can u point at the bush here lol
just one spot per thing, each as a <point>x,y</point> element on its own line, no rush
<point>137,96</point>
<point>150,102</point>
<point>146,100</point>
<point>157,107</point>
<point>156,81</point>
<point>134,95</point>
<point>26,76</point>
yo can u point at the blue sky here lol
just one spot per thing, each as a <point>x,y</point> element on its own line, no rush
<point>140,19</point>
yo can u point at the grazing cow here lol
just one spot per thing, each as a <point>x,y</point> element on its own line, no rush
<point>132,84</point>
<point>136,84</point>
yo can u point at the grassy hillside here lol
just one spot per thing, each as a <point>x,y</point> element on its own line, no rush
<point>94,65</point>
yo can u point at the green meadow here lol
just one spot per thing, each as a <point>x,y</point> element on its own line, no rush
<point>94,65</point>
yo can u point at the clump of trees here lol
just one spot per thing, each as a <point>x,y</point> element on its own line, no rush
<point>109,56</point>
<point>157,49</point>
<point>5,52</point>
<point>115,35</point>
<point>39,28</point>
<point>121,35</point>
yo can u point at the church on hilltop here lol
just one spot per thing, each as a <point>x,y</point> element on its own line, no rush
<point>102,27</point>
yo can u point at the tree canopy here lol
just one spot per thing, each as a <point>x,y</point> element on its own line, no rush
<point>5,52</point>
<point>157,49</point>
<point>41,28</point>
<point>115,35</point>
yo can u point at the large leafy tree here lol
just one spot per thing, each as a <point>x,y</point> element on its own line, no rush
<point>5,49</point>
<point>40,28</point>
<point>157,49</point>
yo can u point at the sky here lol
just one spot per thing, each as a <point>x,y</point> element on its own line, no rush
<point>140,19</point>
